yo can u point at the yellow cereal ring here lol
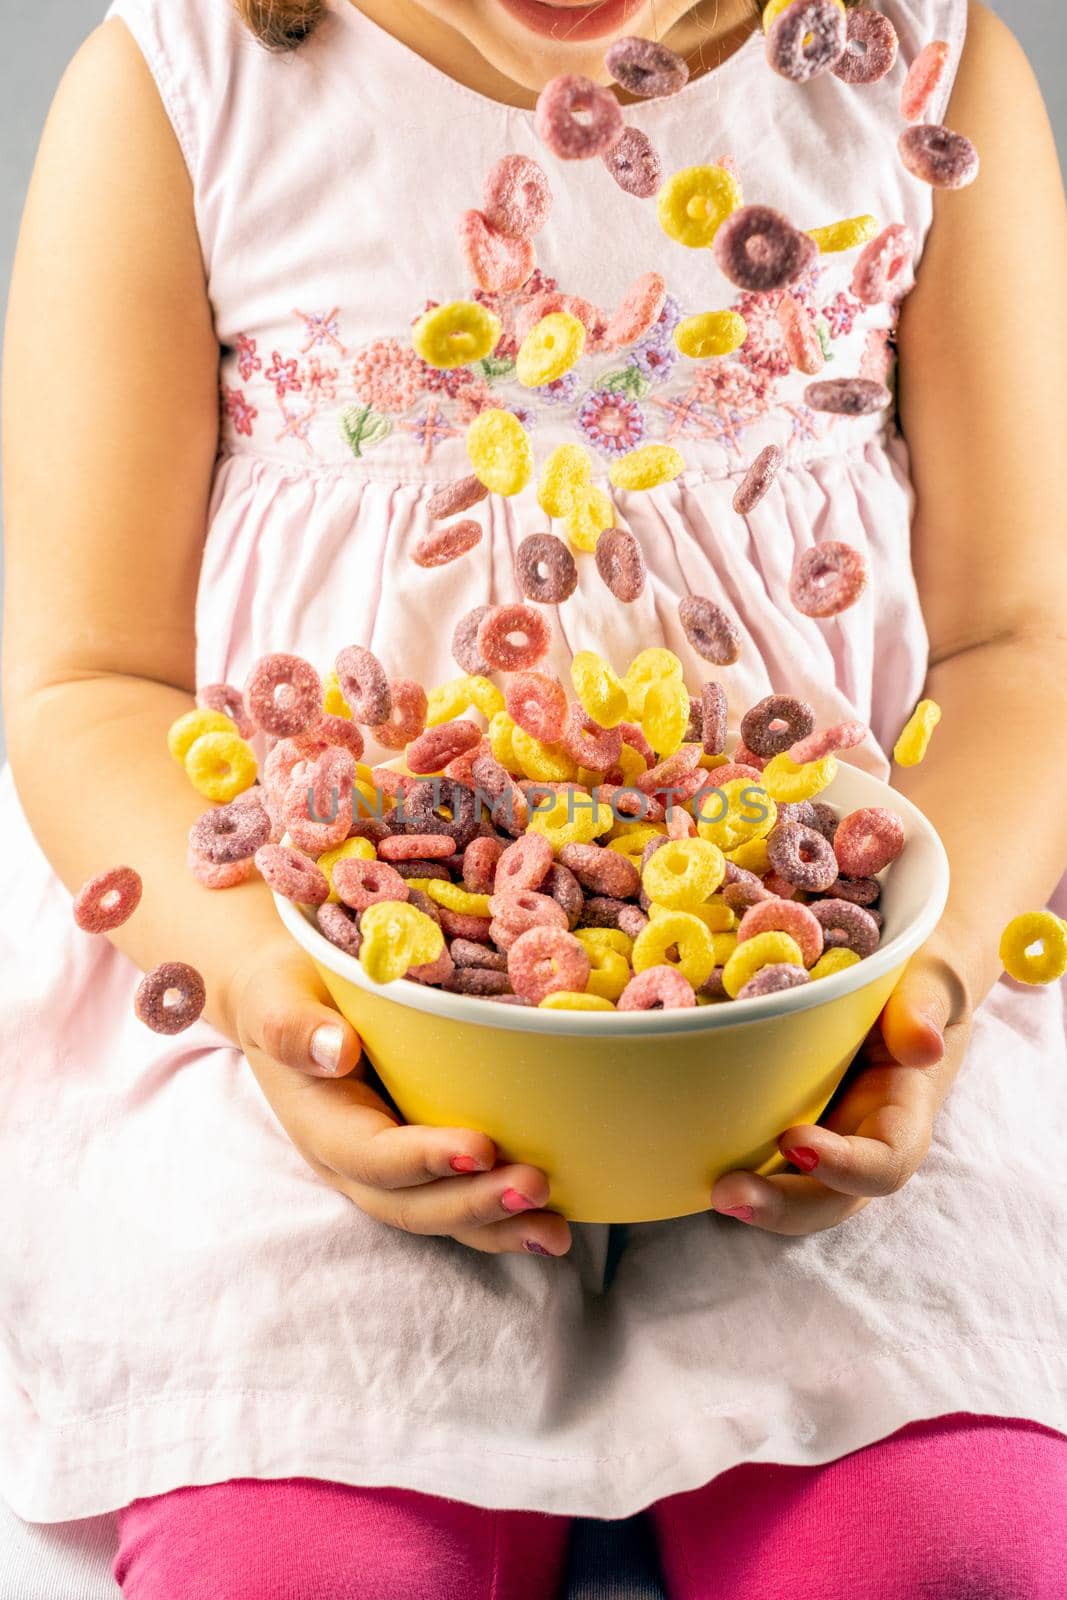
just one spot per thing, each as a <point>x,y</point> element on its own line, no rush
<point>762,950</point>
<point>396,937</point>
<point>844,235</point>
<point>360,849</point>
<point>745,815</point>
<point>724,943</point>
<point>1041,928</point>
<point>550,349</point>
<point>609,971</point>
<point>567,471</point>
<point>501,728</point>
<point>716,917</point>
<point>485,696</point>
<point>630,838</point>
<point>647,467</point>
<point>570,820</point>
<point>631,764</point>
<point>665,717</point>
<point>695,947</point>
<point>183,734</point>
<point>220,766</point>
<point>683,873</point>
<point>693,203</point>
<point>591,512</point>
<point>333,701</point>
<point>775,8</point>
<point>452,699</point>
<point>454,897</point>
<point>915,735</point>
<point>419,883</point>
<point>711,333</point>
<point>606,938</point>
<point>371,802</point>
<point>831,961</point>
<point>787,783</point>
<point>709,763</point>
<point>456,334</point>
<point>575,1000</point>
<point>654,665</point>
<point>601,694</point>
<point>752,855</point>
<point>548,762</point>
<point>500,452</point>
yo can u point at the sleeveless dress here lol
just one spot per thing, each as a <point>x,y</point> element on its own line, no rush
<point>181,1300</point>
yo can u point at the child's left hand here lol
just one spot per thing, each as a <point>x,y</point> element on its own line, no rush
<point>880,1129</point>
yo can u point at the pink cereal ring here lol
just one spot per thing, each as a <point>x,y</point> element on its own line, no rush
<point>498,265</point>
<point>634,163</point>
<point>230,833</point>
<point>785,916</point>
<point>434,749</point>
<point>935,155</point>
<point>230,701</point>
<point>517,197</point>
<point>154,1007</point>
<point>592,746</point>
<point>634,736</point>
<point>292,875</point>
<point>673,771</point>
<point>758,479</point>
<point>416,847</point>
<point>603,871</point>
<point>455,498</point>
<point>680,824</point>
<point>523,865</point>
<point>923,78</point>
<point>628,803</point>
<point>757,248</point>
<point>576,118</point>
<point>360,883</point>
<point>340,731</point>
<point>496,632</point>
<point>638,311</point>
<point>480,863</point>
<point>543,960</point>
<point>465,643</point>
<point>868,840</point>
<point>283,695</point>
<point>461,767</point>
<point>537,701</point>
<point>108,900</point>
<point>435,972</point>
<point>883,267</point>
<point>842,736</point>
<point>712,633</point>
<point>621,564</point>
<point>807,39</point>
<point>870,51</point>
<point>713,713</point>
<point>593,320</point>
<point>218,875</point>
<point>461,925</point>
<point>447,543</point>
<point>657,989</point>
<point>363,685</point>
<point>407,717</point>
<point>516,910</point>
<point>827,578</point>
<point>802,343</point>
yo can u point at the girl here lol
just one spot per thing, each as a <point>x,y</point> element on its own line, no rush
<point>309,1350</point>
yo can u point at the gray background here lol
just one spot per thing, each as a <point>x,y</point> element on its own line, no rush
<point>40,36</point>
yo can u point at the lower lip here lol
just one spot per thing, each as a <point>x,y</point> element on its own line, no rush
<point>573,24</point>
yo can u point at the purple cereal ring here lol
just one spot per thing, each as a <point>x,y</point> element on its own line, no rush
<point>468,953</point>
<point>455,498</point>
<point>936,155</point>
<point>545,569</point>
<point>657,989</point>
<point>775,723</point>
<point>436,972</point>
<point>440,805</point>
<point>406,717</point>
<point>823,819</point>
<point>465,643</point>
<point>712,634</point>
<point>562,886</point>
<point>497,264</point>
<point>713,712</point>
<point>593,747</point>
<point>509,810</point>
<point>806,40</point>
<point>923,78</point>
<point>744,889</point>
<point>230,833</point>
<point>283,695</point>
<point>860,891</point>
<point>827,578</point>
<point>447,543</point>
<point>854,927</point>
<point>796,811</point>
<point>606,911</point>
<point>517,197</point>
<point>523,865</point>
<point>421,867</point>
<point>363,684</point>
<point>868,840</point>
<point>360,883</point>
<point>757,480</point>
<point>713,987</point>
<point>482,981</point>
<point>883,267</point>
<point>757,248</point>
<point>621,564</point>
<point>560,105</point>
<point>108,900</point>
<point>773,979</point>
<point>870,51</point>
<point>646,68</point>
<point>214,875</point>
<point>801,857</point>
<point>544,960</point>
<point>292,875</point>
<point>338,924</point>
<point>163,1015</point>
<point>495,633</point>
<point>230,701</point>
<point>784,916</point>
<point>847,397</point>
<point>634,163</point>
<point>437,746</point>
<point>606,872</point>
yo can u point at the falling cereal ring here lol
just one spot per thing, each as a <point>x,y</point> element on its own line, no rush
<point>827,578</point>
<point>711,333</point>
<point>152,1007</point>
<point>694,203</point>
<point>447,543</point>
<point>456,334</point>
<point>923,78</point>
<point>646,68</point>
<point>550,349</point>
<point>1041,928</point>
<point>937,156</point>
<point>546,571</point>
<point>500,452</point>
<point>806,40</point>
<point>108,900</point>
<point>621,564</point>
<point>757,480</point>
<point>517,197</point>
<point>847,397</point>
<point>709,630</point>
<point>759,250</point>
<point>870,51</point>
<point>560,105</point>
<point>634,163</point>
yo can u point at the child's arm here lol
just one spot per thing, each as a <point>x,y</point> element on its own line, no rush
<point>983,380</point>
<point>111,427</point>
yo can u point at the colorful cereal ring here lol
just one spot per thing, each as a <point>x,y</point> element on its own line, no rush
<point>157,1011</point>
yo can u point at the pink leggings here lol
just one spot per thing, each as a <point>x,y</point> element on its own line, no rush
<point>958,1508</point>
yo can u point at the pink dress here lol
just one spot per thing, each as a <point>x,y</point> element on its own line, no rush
<point>181,1300</point>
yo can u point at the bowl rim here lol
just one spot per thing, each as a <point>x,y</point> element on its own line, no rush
<point>482,1012</point>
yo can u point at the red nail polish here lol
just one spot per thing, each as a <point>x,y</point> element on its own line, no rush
<point>465,1164</point>
<point>742,1213</point>
<point>534,1248</point>
<point>803,1157</point>
<point>514,1202</point>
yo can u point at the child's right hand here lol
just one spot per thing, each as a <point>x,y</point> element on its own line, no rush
<point>307,1061</point>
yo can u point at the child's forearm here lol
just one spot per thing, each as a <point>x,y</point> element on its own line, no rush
<point>993,784</point>
<point>100,789</point>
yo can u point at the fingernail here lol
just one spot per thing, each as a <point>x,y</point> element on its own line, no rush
<point>513,1201</point>
<point>742,1213</point>
<point>803,1156</point>
<point>325,1048</point>
<point>534,1248</point>
<point>466,1164</point>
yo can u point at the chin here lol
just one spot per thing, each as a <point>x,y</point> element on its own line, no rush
<point>525,56</point>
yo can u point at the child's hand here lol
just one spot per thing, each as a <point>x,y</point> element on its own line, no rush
<point>879,1130</point>
<point>306,1059</point>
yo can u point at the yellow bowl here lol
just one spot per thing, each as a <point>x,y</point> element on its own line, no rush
<point>633,1115</point>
